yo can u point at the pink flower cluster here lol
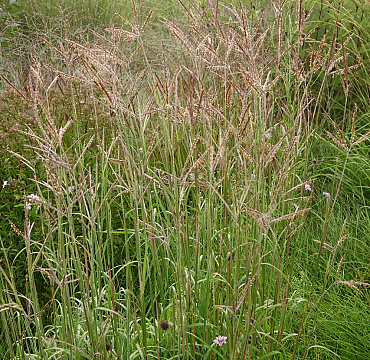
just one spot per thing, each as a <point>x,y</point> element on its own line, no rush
<point>220,340</point>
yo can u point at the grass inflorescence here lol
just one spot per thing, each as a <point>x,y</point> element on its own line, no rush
<point>191,184</point>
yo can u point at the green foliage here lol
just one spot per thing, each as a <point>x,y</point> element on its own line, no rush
<point>9,26</point>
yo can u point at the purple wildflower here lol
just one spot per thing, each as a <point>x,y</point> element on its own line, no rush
<point>307,187</point>
<point>34,198</point>
<point>191,177</point>
<point>220,340</point>
<point>28,206</point>
<point>326,194</point>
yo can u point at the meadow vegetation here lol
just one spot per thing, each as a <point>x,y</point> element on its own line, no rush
<point>184,179</point>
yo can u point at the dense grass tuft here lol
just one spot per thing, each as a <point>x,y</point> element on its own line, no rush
<point>190,183</point>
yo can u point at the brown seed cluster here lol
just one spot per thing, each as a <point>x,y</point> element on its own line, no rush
<point>164,324</point>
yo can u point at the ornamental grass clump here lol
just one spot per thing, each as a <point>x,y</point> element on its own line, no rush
<point>175,188</point>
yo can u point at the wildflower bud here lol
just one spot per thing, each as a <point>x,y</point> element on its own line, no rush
<point>164,324</point>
